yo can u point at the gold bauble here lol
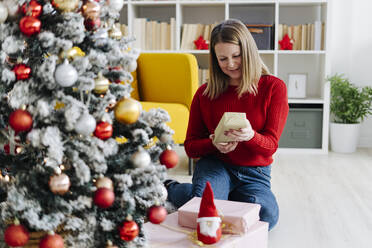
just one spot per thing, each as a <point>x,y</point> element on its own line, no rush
<point>151,143</point>
<point>65,5</point>
<point>104,182</point>
<point>91,10</point>
<point>101,84</point>
<point>59,105</point>
<point>121,140</point>
<point>72,53</point>
<point>127,111</point>
<point>59,184</point>
<point>115,32</point>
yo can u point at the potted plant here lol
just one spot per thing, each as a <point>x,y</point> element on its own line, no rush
<point>349,106</point>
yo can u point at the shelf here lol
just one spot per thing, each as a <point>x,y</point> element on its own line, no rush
<point>300,52</point>
<point>306,100</point>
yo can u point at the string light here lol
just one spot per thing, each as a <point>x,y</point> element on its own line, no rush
<point>6,178</point>
<point>62,167</point>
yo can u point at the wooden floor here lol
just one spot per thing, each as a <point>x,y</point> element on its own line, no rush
<point>325,200</point>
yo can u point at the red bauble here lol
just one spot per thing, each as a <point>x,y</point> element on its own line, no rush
<point>30,25</point>
<point>104,197</point>
<point>16,235</point>
<point>169,158</point>
<point>22,71</point>
<point>129,230</point>
<point>33,8</point>
<point>92,24</point>
<point>52,241</point>
<point>20,120</point>
<point>157,214</point>
<point>103,130</point>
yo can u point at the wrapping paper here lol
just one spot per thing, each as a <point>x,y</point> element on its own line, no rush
<point>229,120</point>
<point>237,217</point>
<point>170,235</point>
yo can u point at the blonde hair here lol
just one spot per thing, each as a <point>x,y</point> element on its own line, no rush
<point>235,32</point>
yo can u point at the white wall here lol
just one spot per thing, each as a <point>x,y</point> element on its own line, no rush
<point>351,48</point>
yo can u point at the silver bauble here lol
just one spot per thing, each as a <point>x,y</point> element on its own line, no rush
<point>132,66</point>
<point>164,193</point>
<point>85,125</point>
<point>141,158</point>
<point>115,5</point>
<point>65,74</point>
<point>3,13</point>
<point>13,8</point>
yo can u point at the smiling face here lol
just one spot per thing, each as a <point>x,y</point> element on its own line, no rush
<point>229,59</point>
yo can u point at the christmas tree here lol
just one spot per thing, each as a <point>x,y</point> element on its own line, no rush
<point>79,166</point>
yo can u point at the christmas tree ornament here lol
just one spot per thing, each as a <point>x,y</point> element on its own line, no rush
<point>92,24</point>
<point>132,66</point>
<point>111,245</point>
<point>91,9</point>
<point>100,38</point>
<point>115,5</point>
<point>141,158</point>
<point>33,8</point>
<point>59,183</point>
<point>13,8</point>
<point>103,130</point>
<point>22,71</point>
<point>164,193</point>
<point>209,229</point>
<point>104,197</point>
<point>30,25</point>
<point>65,74</point>
<point>85,125</point>
<point>128,230</point>
<point>166,138</point>
<point>201,44</point>
<point>151,143</point>
<point>20,120</point>
<point>127,111</point>
<point>115,32</point>
<point>16,235</point>
<point>101,84</point>
<point>104,182</point>
<point>169,158</point>
<point>3,13</point>
<point>59,105</point>
<point>65,5</point>
<point>72,53</point>
<point>156,214</point>
<point>52,240</point>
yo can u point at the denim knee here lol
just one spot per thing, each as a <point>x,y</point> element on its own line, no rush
<point>269,213</point>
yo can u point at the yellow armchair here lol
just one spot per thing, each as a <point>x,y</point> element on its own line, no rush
<point>168,81</point>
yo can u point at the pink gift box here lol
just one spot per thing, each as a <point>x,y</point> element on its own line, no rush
<point>170,235</point>
<point>237,217</point>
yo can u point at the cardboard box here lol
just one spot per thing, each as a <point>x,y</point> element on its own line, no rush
<point>229,120</point>
<point>170,235</point>
<point>238,217</point>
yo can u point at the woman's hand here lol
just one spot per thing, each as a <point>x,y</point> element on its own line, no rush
<point>242,134</point>
<point>224,147</point>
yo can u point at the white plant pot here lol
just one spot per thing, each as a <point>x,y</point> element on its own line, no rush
<point>344,137</point>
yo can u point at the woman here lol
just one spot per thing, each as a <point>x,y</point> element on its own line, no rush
<point>239,82</point>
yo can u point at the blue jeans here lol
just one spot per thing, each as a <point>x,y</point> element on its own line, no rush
<point>229,182</point>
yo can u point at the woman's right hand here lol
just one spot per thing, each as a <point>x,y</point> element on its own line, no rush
<point>224,147</point>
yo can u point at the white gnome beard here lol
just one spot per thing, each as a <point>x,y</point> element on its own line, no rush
<point>209,226</point>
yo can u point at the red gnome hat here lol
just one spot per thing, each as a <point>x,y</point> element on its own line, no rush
<point>209,223</point>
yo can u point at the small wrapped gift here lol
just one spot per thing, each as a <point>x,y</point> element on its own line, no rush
<point>237,217</point>
<point>229,120</point>
<point>170,235</point>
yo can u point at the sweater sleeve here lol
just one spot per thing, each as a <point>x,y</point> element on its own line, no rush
<point>265,141</point>
<point>197,141</point>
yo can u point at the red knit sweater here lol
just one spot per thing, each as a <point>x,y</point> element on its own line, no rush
<point>267,112</point>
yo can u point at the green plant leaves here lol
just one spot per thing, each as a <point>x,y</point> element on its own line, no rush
<point>349,104</point>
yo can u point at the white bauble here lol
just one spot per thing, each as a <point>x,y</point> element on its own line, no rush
<point>85,125</point>
<point>141,158</point>
<point>13,8</point>
<point>132,66</point>
<point>115,5</point>
<point>166,138</point>
<point>3,13</point>
<point>65,74</point>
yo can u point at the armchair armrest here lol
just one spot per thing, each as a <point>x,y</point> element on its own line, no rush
<point>167,77</point>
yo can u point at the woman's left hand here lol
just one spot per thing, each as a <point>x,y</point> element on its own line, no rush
<point>242,134</point>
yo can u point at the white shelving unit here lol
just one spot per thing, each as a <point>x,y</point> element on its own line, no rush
<point>280,62</point>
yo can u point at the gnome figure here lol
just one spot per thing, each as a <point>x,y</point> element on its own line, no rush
<point>209,223</point>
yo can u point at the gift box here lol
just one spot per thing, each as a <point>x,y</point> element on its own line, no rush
<point>229,120</point>
<point>237,217</point>
<point>170,235</point>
